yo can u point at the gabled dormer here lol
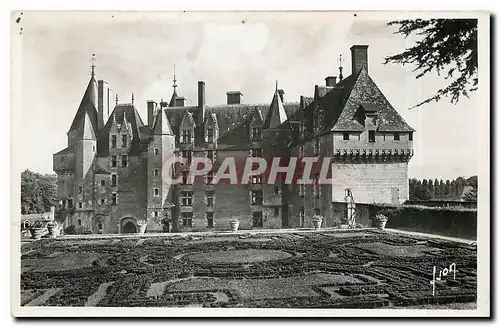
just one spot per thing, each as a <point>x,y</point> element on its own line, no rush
<point>211,128</point>
<point>125,132</point>
<point>114,132</point>
<point>256,125</point>
<point>186,128</point>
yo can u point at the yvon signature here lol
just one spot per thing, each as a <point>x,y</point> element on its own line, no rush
<point>442,273</point>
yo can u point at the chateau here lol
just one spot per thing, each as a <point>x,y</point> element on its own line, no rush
<point>111,176</point>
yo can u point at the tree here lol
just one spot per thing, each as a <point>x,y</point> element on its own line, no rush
<point>38,193</point>
<point>445,44</point>
<point>471,196</point>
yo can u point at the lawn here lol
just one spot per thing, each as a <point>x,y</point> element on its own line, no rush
<point>345,269</point>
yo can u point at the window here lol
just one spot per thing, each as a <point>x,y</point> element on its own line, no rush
<point>302,151</point>
<point>99,226</point>
<point>302,130</point>
<point>211,155</point>
<point>156,151</point>
<point>103,182</point>
<point>156,172</point>
<point>317,190</point>
<point>124,161</point>
<point>103,201</point>
<point>276,212</point>
<point>93,148</point>
<point>210,135</point>
<point>257,219</point>
<point>210,199</point>
<point>186,136</point>
<point>155,214</point>
<point>257,179</point>
<point>257,198</point>
<point>185,175</point>
<point>79,222</point>
<point>187,154</point>
<point>187,219</point>
<point>302,216</point>
<point>256,133</point>
<point>396,136</point>
<point>302,188</point>
<point>80,190</point>
<point>209,178</point>
<point>156,191</point>
<point>113,141</point>
<point>187,198</point>
<point>80,205</point>
<point>114,161</point>
<point>210,219</point>
<point>316,146</point>
<point>70,203</point>
<point>256,152</point>
<point>371,136</point>
<point>124,140</point>
<point>113,199</point>
<point>114,180</point>
<point>410,136</point>
<point>346,136</point>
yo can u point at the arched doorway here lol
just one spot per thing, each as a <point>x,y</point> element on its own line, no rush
<point>129,227</point>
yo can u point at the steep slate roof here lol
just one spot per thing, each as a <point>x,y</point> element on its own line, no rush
<point>101,170</point>
<point>161,125</point>
<point>276,114</point>
<point>68,150</point>
<point>365,91</point>
<point>87,107</point>
<point>136,124</point>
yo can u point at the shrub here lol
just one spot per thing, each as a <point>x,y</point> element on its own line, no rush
<point>70,230</point>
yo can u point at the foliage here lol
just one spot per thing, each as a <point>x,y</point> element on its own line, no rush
<point>38,192</point>
<point>439,190</point>
<point>471,196</point>
<point>448,45</point>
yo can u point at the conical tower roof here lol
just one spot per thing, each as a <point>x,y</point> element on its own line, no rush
<point>276,115</point>
<point>86,115</point>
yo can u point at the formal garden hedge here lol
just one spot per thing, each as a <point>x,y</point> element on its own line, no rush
<point>449,221</point>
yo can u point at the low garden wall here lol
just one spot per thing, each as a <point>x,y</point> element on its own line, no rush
<point>448,221</point>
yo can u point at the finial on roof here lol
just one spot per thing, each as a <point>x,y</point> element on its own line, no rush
<point>175,81</point>
<point>132,98</point>
<point>92,65</point>
<point>116,99</point>
<point>276,85</point>
<point>340,68</point>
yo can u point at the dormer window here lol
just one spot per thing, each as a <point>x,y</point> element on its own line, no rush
<point>210,135</point>
<point>113,141</point>
<point>371,136</point>
<point>124,140</point>
<point>186,136</point>
<point>410,136</point>
<point>346,136</point>
<point>396,136</point>
<point>256,133</point>
<point>316,146</point>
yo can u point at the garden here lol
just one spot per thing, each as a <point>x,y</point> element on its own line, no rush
<point>321,269</point>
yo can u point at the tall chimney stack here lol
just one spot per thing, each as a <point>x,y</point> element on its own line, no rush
<point>331,80</point>
<point>359,58</point>
<point>102,103</point>
<point>151,112</point>
<point>233,97</point>
<point>201,102</point>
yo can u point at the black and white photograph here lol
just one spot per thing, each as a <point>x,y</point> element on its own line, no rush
<point>279,164</point>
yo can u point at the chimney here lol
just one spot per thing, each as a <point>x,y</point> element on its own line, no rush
<point>179,102</point>
<point>331,80</point>
<point>151,112</point>
<point>201,102</point>
<point>281,93</point>
<point>359,58</point>
<point>234,97</point>
<point>102,103</point>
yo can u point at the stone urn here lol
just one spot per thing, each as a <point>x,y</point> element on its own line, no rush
<point>54,229</point>
<point>317,221</point>
<point>142,224</point>
<point>235,224</point>
<point>38,232</point>
<point>380,221</point>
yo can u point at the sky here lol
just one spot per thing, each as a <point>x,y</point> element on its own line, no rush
<point>136,52</point>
